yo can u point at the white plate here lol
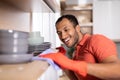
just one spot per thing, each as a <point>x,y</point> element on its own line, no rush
<point>15,58</point>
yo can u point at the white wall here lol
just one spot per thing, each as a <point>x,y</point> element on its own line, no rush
<point>106,18</point>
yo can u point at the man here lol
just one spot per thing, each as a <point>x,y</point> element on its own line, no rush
<point>95,56</point>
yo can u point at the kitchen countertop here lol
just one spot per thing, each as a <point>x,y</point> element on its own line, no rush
<point>25,71</point>
<point>35,70</point>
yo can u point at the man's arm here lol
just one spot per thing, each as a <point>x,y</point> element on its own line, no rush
<point>108,69</point>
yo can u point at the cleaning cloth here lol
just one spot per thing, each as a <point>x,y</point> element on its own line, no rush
<point>50,61</point>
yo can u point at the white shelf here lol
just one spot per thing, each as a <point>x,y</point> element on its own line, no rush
<point>86,25</point>
<point>79,7</point>
<point>32,5</point>
<point>75,8</point>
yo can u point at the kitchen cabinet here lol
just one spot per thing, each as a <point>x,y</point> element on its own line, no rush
<point>33,5</point>
<point>30,16</point>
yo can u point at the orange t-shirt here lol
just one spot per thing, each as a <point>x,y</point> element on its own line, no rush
<point>93,49</point>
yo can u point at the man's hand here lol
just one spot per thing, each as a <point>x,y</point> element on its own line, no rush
<point>80,67</point>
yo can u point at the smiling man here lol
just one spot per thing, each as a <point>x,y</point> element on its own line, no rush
<point>67,33</point>
<point>95,56</point>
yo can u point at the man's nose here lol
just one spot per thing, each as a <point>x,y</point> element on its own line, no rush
<point>64,35</point>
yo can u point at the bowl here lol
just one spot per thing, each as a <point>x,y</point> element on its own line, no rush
<point>15,58</point>
<point>13,49</point>
<point>8,46</point>
<point>13,34</point>
<point>12,41</point>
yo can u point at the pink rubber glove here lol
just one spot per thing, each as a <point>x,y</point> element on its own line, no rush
<point>80,67</point>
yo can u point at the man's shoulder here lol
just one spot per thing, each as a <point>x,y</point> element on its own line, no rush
<point>99,37</point>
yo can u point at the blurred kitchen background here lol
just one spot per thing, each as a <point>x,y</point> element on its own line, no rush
<point>95,16</point>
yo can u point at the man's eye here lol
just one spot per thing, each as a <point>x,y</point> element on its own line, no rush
<point>58,33</point>
<point>66,30</point>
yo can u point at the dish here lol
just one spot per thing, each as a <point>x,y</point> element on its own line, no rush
<point>13,34</point>
<point>13,42</point>
<point>15,58</point>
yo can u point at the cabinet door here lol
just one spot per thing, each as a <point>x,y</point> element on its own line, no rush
<point>106,18</point>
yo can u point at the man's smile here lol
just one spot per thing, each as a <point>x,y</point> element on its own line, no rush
<point>66,40</point>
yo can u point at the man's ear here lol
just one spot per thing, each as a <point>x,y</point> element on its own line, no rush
<point>77,28</point>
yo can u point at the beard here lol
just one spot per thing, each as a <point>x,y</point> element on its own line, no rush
<point>74,41</point>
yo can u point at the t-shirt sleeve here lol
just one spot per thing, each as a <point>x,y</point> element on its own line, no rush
<point>102,47</point>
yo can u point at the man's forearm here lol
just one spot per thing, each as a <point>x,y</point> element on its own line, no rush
<point>107,71</point>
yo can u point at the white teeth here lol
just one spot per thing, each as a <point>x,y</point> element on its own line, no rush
<point>66,39</point>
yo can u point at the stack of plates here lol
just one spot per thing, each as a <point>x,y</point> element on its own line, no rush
<point>15,58</point>
<point>13,42</point>
<point>14,47</point>
<point>37,49</point>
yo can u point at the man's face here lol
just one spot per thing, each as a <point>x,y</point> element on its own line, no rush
<point>67,33</point>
